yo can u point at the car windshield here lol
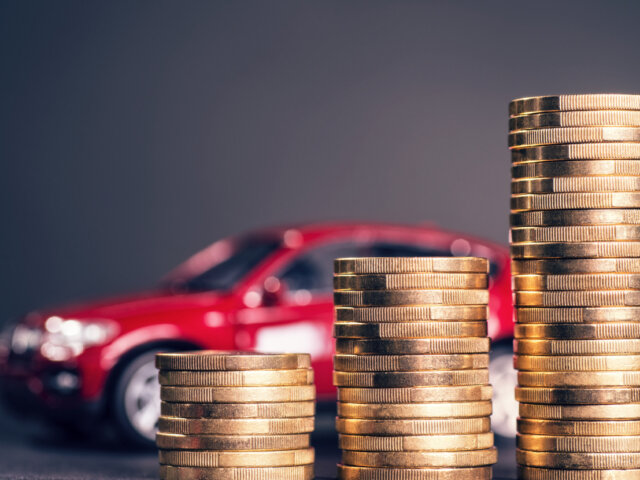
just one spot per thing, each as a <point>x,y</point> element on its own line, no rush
<point>226,274</point>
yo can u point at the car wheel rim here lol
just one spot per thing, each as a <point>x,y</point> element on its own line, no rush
<point>142,400</point>
<point>505,407</point>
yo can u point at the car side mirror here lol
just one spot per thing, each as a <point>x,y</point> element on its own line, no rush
<point>274,292</point>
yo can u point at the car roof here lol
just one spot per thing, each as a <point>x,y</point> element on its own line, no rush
<point>327,229</point>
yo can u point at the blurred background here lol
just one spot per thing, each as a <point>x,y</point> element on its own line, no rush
<point>136,133</point>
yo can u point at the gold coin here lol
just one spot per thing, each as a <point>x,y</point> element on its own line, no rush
<point>411,265</point>
<point>576,265</point>
<point>383,298</point>
<point>577,363</point>
<point>231,360</point>
<point>356,426</point>
<point>578,331</point>
<point>576,347</point>
<point>410,329</point>
<point>422,313</point>
<point>410,281</point>
<point>550,218</point>
<point>413,346</point>
<point>431,443</point>
<point>587,461</point>
<point>349,472</point>
<point>575,185</point>
<point>552,103</point>
<point>298,393</point>
<point>415,394</point>
<point>414,410</point>
<point>578,151</point>
<point>577,315</point>
<point>629,411</point>
<point>595,233</point>
<point>551,443</point>
<point>601,281</point>
<point>174,441</point>
<point>606,428</point>
<point>578,379</point>
<point>235,426</point>
<point>238,410</point>
<point>597,118</point>
<point>579,250</point>
<point>403,363</point>
<point>468,458</point>
<point>300,472</point>
<point>578,396</point>
<point>204,458</point>
<point>574,201</point>
<point>247,378</point>
<point>410,379</point>
<point>575,168</point>
<point>572,135</point>
<point>583,298</point>
<point>533,473</point>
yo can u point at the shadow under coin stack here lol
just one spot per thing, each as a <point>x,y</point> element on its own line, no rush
<point>576,262</point>
<point>411,368</point>
<point>227,415</point>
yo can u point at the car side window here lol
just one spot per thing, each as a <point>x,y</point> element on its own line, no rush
<point>313,270</point>
<point>408,250</point>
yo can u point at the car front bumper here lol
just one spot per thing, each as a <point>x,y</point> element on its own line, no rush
<point>33,398</point>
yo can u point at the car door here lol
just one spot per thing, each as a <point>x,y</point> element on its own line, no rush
<point>300,318</point>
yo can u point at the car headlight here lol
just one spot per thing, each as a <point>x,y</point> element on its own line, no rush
<point>25,339</point>
<point>63,339</point>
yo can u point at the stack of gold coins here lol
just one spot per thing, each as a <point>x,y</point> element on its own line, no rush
<point>236,415</point>
<point>411,368</point>
<point>575,218</point>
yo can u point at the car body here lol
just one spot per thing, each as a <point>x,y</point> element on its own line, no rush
<point>269,290</point>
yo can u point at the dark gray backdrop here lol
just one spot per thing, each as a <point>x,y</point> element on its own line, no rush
<point>136,132</point>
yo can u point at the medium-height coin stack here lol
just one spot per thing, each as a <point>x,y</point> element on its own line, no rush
<point>576,262</point>
<point>235,415</point>
<point>411,368</point>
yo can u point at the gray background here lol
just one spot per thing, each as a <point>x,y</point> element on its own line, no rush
<point>136,132</point>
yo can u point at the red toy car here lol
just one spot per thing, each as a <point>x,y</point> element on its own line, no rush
<point>269,290</point>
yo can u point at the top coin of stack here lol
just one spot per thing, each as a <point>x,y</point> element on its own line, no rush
<point>235,415</point>
<point>575,242</point>
<point>411,368</point>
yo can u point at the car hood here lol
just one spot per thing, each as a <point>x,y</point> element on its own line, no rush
<point>140,305</point>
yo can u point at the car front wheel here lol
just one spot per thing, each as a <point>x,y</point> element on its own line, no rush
<point>136,402</point>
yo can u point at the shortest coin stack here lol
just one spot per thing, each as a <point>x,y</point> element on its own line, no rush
<point>231,415</point>
<point>411,361</point>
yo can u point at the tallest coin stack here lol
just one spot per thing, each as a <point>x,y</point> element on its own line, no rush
<point>575,218</point>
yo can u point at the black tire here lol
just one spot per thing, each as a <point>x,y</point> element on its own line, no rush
<point>129,383</point>
<point>504,380</point>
